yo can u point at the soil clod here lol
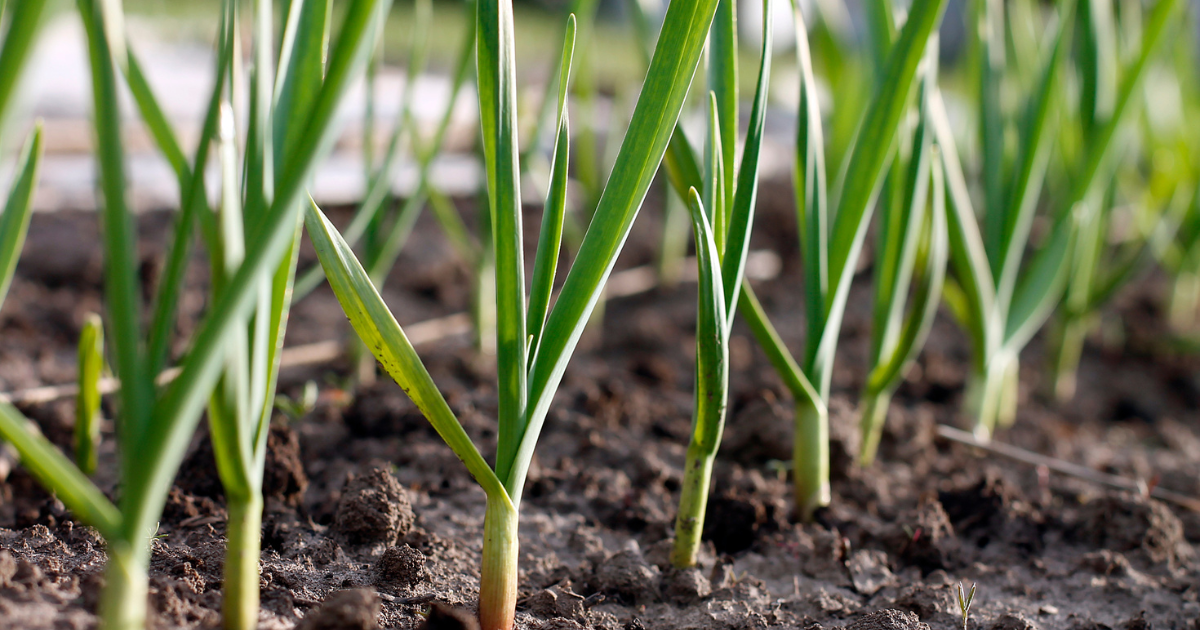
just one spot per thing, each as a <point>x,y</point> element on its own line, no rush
<point>445,617</point>
<point>924,537</point>
<point>733,523</point>
<point>353,609</point>
<point>557,601</point>
<point>1129,523</point>
<point>283,477</point>
<point>373,509</point>
<point>401,567</point>
<point>889,619</point>
<point>627,577</point>
<point>869,571</point>
<point>685,587</point>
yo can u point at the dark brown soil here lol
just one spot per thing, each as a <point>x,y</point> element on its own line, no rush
<point>371,520</point>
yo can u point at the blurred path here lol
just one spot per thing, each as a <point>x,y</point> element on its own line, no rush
<point>180,69</point>
<point>57,89</point>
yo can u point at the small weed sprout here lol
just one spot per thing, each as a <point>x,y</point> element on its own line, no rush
<point>297,408</point>
<point>964,602</point>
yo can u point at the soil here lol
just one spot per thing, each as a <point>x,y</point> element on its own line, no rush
<point>372,522</point>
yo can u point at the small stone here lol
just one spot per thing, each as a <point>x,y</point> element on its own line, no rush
<point>354,609</point>
<point>374,508</point>
<point>402,567</point>
<point>446,617</point>
<point>1048,609</point>
<point>685,587</point>
<point>1013,621</point>
<point>889,619</point>
<point>869,571</point>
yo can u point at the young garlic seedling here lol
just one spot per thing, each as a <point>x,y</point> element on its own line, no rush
<point>722,234</point>
<point>1000,298</point>
<point>1097,269</point>
<point>155,427</point>
<point>87,401</point>
<point>830,238</point>
<point>534,342</point>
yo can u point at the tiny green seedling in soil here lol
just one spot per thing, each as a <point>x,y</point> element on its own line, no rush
<point>297,408</point>
<point>965,599</point>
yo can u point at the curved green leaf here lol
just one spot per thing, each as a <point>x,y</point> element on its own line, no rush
<point>14,224</point>
<point>378,329</point>
<point>59,475</point>
<point>546,260</point>
<point>741,215</point>
<point>671,70</point>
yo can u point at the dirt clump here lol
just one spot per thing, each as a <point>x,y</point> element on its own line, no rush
<point>824,556</point>
<point>558,601</point>
<point>992,510</point>
<point>889,619</point>
<point>374,508</point>
<point>935,604</point>
<point>29,505</point>
<point>401,567</point>
<point>1131,523</point>
<point>627,577</point>
<point>353,609</point>
<point>326,552</point>
<point>283,476</point>
<point>685,587</point>
<point>869,571</point>
<point>284,479</point>
<point>445,617</point>
<point>924,537</point>
<point>734,521</point>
